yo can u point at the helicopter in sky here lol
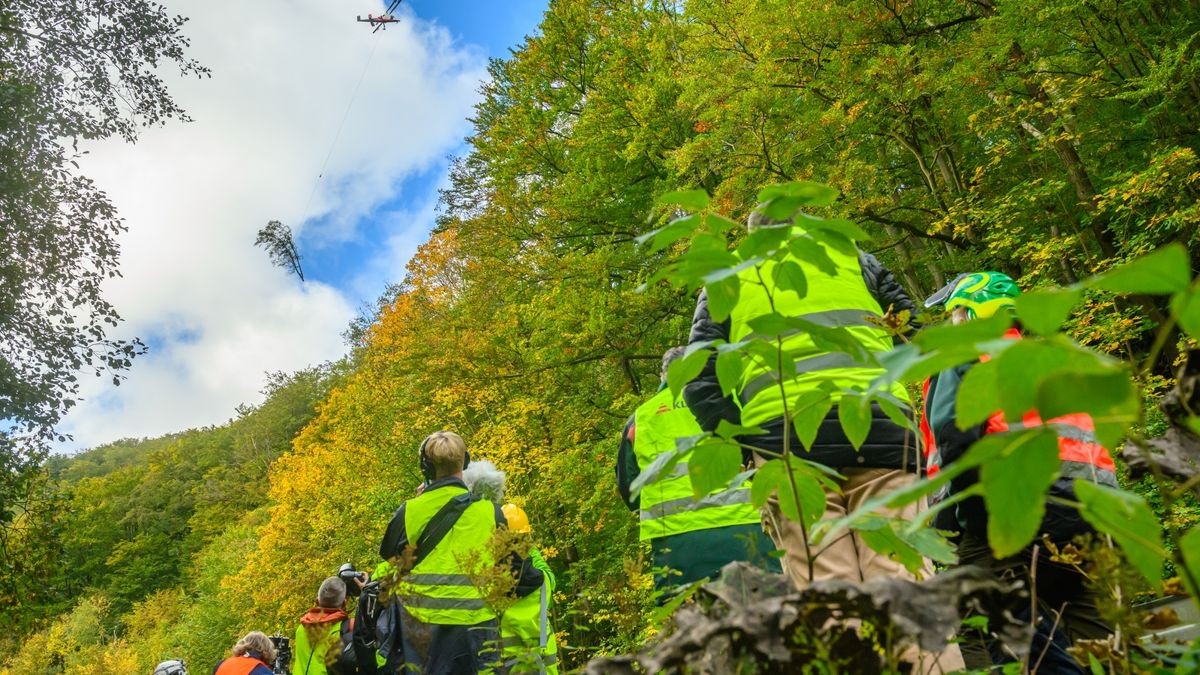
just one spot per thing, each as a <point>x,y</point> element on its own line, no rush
<point>381,21</point>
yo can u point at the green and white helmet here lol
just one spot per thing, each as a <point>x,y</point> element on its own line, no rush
<point>981,293</point>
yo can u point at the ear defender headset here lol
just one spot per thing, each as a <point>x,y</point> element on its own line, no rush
<point>427,469</point>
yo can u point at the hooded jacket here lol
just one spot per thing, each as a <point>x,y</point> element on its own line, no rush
<point>319,639</point>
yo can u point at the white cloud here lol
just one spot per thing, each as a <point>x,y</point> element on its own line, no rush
<point>194,195</point>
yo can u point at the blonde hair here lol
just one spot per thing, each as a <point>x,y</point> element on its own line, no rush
<point>255,641</point>
<point>446,451</point>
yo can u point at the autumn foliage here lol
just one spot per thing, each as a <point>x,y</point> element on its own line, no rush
<point>1050,140</point>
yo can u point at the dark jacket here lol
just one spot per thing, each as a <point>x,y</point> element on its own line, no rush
<point>888,445</point>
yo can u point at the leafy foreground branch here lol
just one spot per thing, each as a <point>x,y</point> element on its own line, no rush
<point>754,621</point>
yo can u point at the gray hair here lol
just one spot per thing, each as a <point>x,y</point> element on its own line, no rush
<point>484,480</point>
<point>332,593</point>
<point>671,355</point>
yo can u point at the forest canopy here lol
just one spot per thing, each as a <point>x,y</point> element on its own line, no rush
<point>1050,139</point>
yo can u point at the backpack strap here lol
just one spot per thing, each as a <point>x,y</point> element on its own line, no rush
<point>440,525</point>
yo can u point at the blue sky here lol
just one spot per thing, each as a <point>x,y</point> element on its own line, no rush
<point>491,27</point>
<point>215,313</point>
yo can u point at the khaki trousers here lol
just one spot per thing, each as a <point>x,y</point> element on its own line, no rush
<point>847,557</point>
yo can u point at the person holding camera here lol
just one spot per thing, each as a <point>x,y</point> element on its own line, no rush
<point>441,542</point>
<point>252,655</point>
<point>323,632</point>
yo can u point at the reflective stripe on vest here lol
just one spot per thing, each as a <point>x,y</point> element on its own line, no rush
<point>1079,450</point>
<point>668,506</point>
<point>439,590</point>
<point>840,300</point>
<point>526,639</point>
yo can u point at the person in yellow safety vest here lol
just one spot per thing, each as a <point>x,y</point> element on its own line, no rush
<point>526,636</point>
<point>446,626</point>
<point>690,539</point>
<point>848,289</point>
<point>322,632</point>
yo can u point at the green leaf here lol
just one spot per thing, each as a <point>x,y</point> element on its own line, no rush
<point>766,481</point>
<point>805,503</point>
<point>802,499</point>
<point>978,395</point>
<point>854,412</point>
<point>769,325</point>
<point>782,209</point>
<point>685,369</point>
<point>692,200</point>
<point>813,194</point>
<point>1009,382</point>
<point>1128,519</point>
<point>712,464</point>
<point>841,226</point>
<point>835,240</point>
<point>789,276</point>
<point>729,430</point>
<point>1185,305</point>
<point>1189,547</point>
<point>762,242</point>
<point>808,411</point>
<point>718,224</point>
<point>1111,399</point>
<point>928,542</point>
<point>663,466</point>
<point>722,297</point>
<point>949,335</point>
<point>1163,272</point>
<point>670,233</point>
<point>729,371</point>
<point>1044,312</point>
<point>883,537</point>
<point>807,249</point>
<point>731,269</point>
<point>1015,485</point>
<point>896,410</point>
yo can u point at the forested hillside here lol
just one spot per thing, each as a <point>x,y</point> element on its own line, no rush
<point>1049,139</point>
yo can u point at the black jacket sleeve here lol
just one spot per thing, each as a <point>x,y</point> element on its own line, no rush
<point>703,394</point>
<point>883,286</point>
<point>395,539</point>
<point>627,466</point>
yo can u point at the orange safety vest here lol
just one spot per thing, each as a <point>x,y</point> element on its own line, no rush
<point>1081,454</point>
<point>239,665</point>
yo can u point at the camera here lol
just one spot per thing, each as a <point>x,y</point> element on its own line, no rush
<point>348,574</point>
<point>283,654</point>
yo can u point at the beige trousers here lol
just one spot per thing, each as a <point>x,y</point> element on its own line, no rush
<point>847,557</point>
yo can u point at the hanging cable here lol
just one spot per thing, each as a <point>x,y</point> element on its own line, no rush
<point>338,134</point>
